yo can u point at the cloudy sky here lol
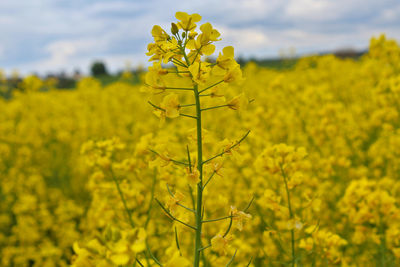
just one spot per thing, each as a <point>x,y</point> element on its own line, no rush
<point>45,36</point>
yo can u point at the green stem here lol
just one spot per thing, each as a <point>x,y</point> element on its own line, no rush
<point>382,245</point>
<point>182,71</point>
<point>205,89</point>
<point>186,115</point>
<point>219,219</point>
<point>175,61</point>
<point>209,179</point>
<point>199,201</point>
<point>138,261</point>
<point>172,160</point>
<point>179,88</point>
<point>198,51</point>
<point>203,248</point>
<point>290,214</point>
<point>121,194</point>
<point>153,187</point>
<point>220,106</point>
<point>187,105</point>
<point>172,217</point>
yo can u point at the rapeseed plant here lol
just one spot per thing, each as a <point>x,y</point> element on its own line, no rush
<point>184,48</point>
<point>88,179</point>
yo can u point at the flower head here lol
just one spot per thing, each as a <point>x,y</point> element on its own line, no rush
<point>187,22</point>
<point>239,217</point>
<point>171,105</point>
<point>220,243</point>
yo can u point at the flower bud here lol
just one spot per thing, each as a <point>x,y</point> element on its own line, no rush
<point>174,28</point>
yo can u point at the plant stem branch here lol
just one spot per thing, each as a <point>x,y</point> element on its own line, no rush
<point>202,90</point>
<point>219,219</point>
<point>172,217</point>
<point>169,159</point>
<point>209,179</point>
<point>221,106</point>
<point>290,214</point>
<point>199,201</point>
<point>231,147</point>
<point>121,194</point>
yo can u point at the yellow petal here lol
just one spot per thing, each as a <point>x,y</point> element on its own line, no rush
<point>181,15</point>
<point>206,28</point>
<point>120,259</point>
<point>196,17</point>
<point>228,51</point>
<point>208,49</point>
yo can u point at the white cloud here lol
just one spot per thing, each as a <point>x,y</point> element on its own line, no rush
<point>337,11</point>
<point>62,51</point>
<point>389,16</point>
<point>50,35</point>
<point>113,62</point>
<point>244,39</point>
<point>311,9</point>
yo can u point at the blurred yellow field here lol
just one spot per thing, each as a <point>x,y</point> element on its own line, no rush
<point>205,163</point>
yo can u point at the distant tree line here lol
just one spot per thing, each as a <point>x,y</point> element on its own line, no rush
<point>98,69</point>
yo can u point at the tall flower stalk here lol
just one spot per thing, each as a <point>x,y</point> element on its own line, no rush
<point>199,219</point>
<point>185,49</point>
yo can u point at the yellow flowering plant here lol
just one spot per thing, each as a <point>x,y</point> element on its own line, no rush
<point>185,49</point>
<point>88,179</point>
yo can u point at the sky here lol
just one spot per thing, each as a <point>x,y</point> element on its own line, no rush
<point>49,36</point>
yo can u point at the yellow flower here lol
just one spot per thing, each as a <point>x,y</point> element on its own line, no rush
<point>220,244</point>
<point>140,243</point>
<point>162,159</point>
<point>200,72</point>
<point>216,166</point>
<point>203,44</point>
<point>307,243</point>
<point>295,180</point>
<point>218,91</point>
<point>104,162</point>
<point>226,60</point>
<point>193,175</point>
<point>233,75</point>
<point>396,252</point>
<point>187,22</point>
<point>159,34</point>
<point>120,259</point>
<point>238,217</point>
<point>154,80</point>
<point>82,257</point>
<point>177,261</point>
<point>294,224</point>
<point>171,107</point>
<point>172,202</point>
<point>239,102</point>
<point>271,200</point>
<point>208,34</point>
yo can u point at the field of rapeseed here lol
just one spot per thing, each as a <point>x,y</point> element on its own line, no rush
<point>205,163</point>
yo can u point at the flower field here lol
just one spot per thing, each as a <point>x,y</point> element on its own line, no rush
<point>205,162</point>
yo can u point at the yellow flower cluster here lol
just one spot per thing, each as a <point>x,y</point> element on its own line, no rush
<point>372,214</point>
<point>113,247</point>
<point>38,224</point>
<point>87,178</point>
<point>200,82</point>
